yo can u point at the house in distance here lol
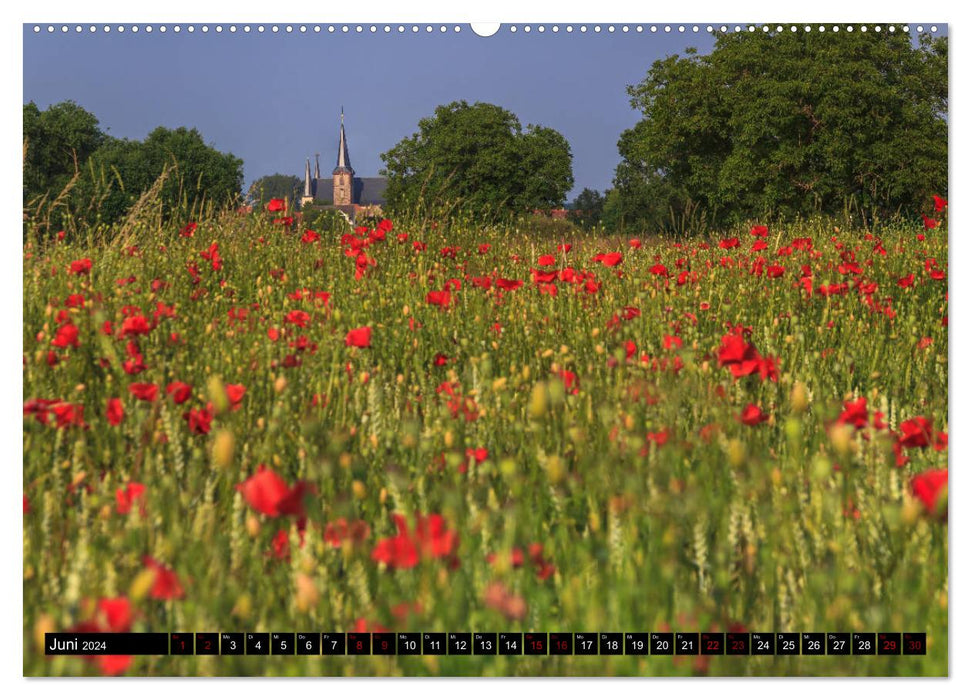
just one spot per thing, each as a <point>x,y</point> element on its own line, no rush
<point>343,191</point>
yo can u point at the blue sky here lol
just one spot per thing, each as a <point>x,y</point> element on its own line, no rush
<point>275,99</point>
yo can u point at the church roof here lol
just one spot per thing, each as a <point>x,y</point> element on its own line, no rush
<point>366,190</point>
<point>371,190</point>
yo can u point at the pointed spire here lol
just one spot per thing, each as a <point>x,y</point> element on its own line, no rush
<point>308,191</point>
<point>316,166</point>
<point>343,159</point>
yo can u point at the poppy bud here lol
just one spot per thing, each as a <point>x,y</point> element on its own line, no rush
<point>306,595</point>
<point>841,437</point>
<point>736,453</point>
<point>799,397</point>
<point>217,394</point>
<point>142,584</point>
<point>45,623</point>
<point>555,469</point>
<point>252,525</point>
<point>539,400</point>
<point>222,449</point>
<point>243,607</point>
<point>910,511</point>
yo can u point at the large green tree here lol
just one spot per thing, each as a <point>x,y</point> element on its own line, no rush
<point>122,170</point>
<point>478,157</point>
<point>275,186</point>
<point>58,142</point>
<point>588,208</point>
<point>782,124</point>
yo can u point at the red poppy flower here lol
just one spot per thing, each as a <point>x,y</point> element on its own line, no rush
<point>166,585</point>
<point>608,259</point>
<point>115,411</point>
<point>634,243</point>
<point>752,415</point>
<point>546,260</point>
<point>135,325</point>
<point>358,337</point>
<point>126,497</point>
<point>672,342</point>
<point>179,391</point>
<point>931,488</point>
<point>310,236</point>
<point>298,318</point>
<point>199,420</point>
<point>144,392</point>
<point>81,267</point>
<point>266,492</point>
<point>188,230</point>
<point>66,336</point>
<point>508,285</point>
<point>431,540</point>
<point>479,454</point>
<point>928,222</point>
<point>739,355</point>
<point>277,205</point>
<point>916,432</point>
<point>939,203</point>
<point>564,247</point>
<point>235,393</point>
<point>907,281</point>
<point>439,298</point>
<point>760,231</point>
<point>728,243</point>
<point>854,413</point>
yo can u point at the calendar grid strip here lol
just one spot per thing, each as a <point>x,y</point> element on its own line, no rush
<point>488,643</point>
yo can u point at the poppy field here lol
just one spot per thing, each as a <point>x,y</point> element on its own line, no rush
<point>237,424</point>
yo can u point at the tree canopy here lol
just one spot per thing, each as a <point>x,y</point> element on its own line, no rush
<point>58,140</point>
<point>64,140</point>
<point>198,172</point>
<point>783,124</point>
<point>479,157</point>
<point>276,186</point>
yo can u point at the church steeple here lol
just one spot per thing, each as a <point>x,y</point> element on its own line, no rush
<point>308,189</point>
<point>316,166</point>
<point>343,159</point>
<point>343,173</point>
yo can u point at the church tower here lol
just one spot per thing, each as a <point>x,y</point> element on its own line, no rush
<point>308,187</point>
<point>343,173</point>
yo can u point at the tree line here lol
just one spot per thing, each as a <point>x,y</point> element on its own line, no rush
<point>767,125</point>
<point>70,162</point>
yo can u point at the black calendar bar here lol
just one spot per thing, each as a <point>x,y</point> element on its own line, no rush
<point>473,644</point>
<point>106,644</point>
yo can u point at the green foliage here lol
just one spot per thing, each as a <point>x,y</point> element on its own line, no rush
<point>276,186</point>
<point>587,209</point>
<point>129,168</point>
<point>323,220</point>
<point>786,124</point>
<point>57,143</point>
<point>478,157</point>
<point>77,173</point>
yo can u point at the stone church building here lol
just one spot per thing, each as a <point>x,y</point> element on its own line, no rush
<point>343,191</point>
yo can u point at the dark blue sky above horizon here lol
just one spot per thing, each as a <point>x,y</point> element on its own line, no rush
<point>275,99</point>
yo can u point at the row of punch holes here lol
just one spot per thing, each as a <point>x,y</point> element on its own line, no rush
<point>442,29</point>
